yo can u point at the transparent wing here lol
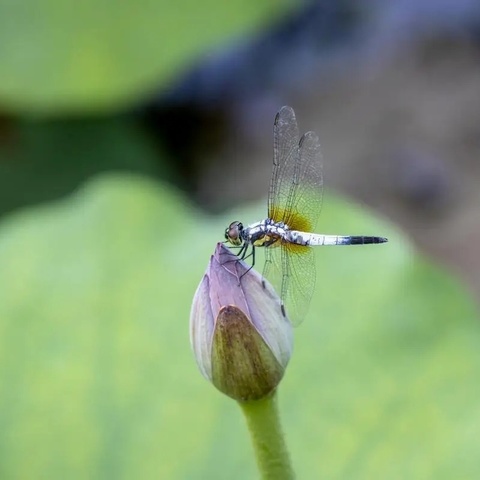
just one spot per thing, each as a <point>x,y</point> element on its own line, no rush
<point>291,271</point>
<point>272,270</point>
<point>295,195</point>
<point>286,138</point>
<point>295,198</point>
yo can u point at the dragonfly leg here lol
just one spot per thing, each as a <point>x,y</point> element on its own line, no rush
<point>251,254</point>
<point>240,255</point>
<point>243,251</point>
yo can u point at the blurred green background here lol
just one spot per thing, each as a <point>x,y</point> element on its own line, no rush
<point>103,243</point>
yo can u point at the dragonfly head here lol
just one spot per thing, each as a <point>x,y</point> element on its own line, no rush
<point>233,233</point>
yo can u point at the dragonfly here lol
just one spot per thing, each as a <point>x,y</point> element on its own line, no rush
<point>294,202</point>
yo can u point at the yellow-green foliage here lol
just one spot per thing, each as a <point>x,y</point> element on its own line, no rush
<point>98,380</point>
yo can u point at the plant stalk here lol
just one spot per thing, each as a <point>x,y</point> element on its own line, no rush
<point>263,421</point>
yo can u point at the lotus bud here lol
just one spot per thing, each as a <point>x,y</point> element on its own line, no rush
<point>240,336</point>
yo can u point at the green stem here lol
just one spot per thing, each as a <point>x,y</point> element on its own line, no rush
<point>267,437</point>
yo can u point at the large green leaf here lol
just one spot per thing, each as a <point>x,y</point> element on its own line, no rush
<point>98,381</point>
<point>96,54</point>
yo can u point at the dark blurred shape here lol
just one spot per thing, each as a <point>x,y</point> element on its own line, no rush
<point>187,132</point>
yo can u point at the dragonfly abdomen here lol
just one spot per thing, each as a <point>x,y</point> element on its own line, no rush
<point>314,239</point>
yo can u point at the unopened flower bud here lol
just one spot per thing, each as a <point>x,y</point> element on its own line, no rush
<point>239,333</point>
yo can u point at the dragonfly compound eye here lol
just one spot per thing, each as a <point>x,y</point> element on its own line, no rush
<point>233,233</point>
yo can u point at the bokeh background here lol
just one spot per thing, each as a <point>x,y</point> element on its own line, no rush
<point>132,133</point>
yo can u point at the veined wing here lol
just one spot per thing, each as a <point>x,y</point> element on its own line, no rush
<point>291,271</point>
<point>295,195</point>
<point>295,198</point>
<point>286,138</point>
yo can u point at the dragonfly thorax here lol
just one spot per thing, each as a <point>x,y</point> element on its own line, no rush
<point>264,233</point>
